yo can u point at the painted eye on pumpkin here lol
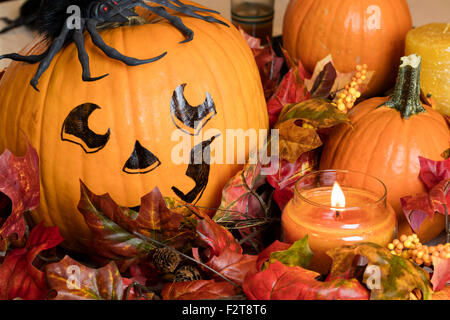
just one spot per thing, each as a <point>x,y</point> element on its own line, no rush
<point>197,171</point>
<point>187,118</point>
<point>76,130</point>
<point>141,161</point>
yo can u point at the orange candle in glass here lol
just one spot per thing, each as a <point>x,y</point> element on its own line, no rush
<point>338,207</point>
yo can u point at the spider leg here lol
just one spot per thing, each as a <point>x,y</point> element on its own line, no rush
<point>176,21</point>
<point>187,10</point>
<point>21,21</point>
<point>55,47</point>
<point>111,52</point>
<point>194,8</point>
<point>29,59</point>
<point>83,57</point>
<point>6,20</point>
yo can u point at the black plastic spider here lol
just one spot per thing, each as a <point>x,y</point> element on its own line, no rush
<point>54,22</point>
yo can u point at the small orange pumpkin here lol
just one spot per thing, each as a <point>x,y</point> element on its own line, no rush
<point>387,138</point>
<point>116,134</point>
<point>353,32</point>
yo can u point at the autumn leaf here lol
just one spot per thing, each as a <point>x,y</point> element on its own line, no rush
<point>395,278</point>
<point>299,254</point>
<point>417,208</point>
<point>74,281</point>
<point>291,89</point>
<point>239,198</point>
<point>432,172</point>
<point>319,113</point>
<point>436,177</point>
<point>441,273</point>
<point>326,79</point>
<point>199,290</point>
<point>284,180</point>
<point>216,238</point>
<point>19,182</point>
<point>281,282</point>
<point>295,140</point>
<point>446,154</point>
<point>232,265</point>
<point>269,64</point>
<point>115,229</point>
<point>19,278</point>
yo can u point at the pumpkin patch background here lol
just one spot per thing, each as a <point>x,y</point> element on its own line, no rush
<point>140,234</point>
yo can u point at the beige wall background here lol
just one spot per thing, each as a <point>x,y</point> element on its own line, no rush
<point>423,11</point>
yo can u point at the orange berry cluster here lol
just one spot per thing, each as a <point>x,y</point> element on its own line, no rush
<point>345,100</point>
<point>409,247</point>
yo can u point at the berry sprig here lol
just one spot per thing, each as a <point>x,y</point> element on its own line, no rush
<point>409,247</point>
<point>345,100</point>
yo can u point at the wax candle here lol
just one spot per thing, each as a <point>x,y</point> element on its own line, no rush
<point>432,43</point>
<point>359,213</point>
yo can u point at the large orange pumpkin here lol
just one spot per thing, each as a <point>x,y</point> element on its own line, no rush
<point>352,31</point>
<point>116,134</point>
<point>387,138</point>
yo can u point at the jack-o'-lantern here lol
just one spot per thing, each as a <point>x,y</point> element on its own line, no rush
<point>117,134</point>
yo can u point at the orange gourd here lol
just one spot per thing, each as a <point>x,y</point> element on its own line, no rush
<point>387,138</point>
<point>353,32</point>
<point>134,119</point>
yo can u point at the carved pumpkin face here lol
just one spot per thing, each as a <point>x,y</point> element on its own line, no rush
<point>116,134</point>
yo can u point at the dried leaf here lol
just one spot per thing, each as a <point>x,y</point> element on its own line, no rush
<point>114,227</point>
<point>74,281</point>
<point>281,282</point>
<point>216,238</point>
<point>319,113</point>
<point>327,80</point>
<point>298,255</point>
<point>295,140</point>
<point>268,63</point>
<point>433,172</point>
<point>324,81</point>
<point>292,89</point>
<point>199,290</point>
<point>239,198</point>
<point>417,208</point>
<point>19,181</point>
<point>393,277</point>
<point>18,277</point>
<point>441,273</point>
<point>446,154</point>
<point>288,174</point>
<point>234,266</point>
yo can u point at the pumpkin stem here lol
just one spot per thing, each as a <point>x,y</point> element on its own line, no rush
<point>406,96</point>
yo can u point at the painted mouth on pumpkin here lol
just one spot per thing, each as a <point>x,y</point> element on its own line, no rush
<point>141,161</point>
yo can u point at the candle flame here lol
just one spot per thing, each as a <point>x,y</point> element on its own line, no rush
<point>337,196</point>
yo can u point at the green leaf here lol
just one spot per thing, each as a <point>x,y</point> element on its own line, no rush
<point>298,255</point>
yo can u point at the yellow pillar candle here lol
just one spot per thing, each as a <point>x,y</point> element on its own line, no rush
<point>432,43</point>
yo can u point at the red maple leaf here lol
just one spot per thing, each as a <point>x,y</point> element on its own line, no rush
<point>18,277</point>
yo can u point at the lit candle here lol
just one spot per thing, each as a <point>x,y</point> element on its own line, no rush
<point>432,43</point>
<point>338,207</point>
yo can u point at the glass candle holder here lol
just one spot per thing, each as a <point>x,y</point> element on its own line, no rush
<point>255,17</point>
<point>366,216</point>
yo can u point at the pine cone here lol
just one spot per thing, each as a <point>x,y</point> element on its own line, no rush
<point>165,260</point>
<point>187,273</point>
